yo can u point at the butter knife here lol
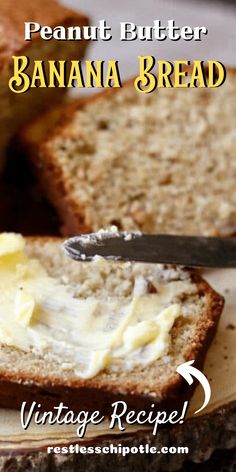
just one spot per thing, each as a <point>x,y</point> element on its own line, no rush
<point>189,251</point>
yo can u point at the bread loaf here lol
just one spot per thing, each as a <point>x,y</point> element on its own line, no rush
<point>17,108</point>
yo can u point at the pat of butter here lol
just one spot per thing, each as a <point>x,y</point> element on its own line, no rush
<point>160,344</point>
<point>89,334</point>
<point>24,307</point>
<point>146,332</point>
<point>152,336</point>
<point>11,243</point>
<point>137,336</point>
<point>99,360</point>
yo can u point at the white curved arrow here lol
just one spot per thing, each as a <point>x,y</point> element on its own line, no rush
<point>187,371</point>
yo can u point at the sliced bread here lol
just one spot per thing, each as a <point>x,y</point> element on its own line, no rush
<point>162,162</point>
<point>45,374</point>
<point>18,108</point>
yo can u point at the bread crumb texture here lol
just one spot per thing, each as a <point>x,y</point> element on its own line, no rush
<point>163,162</point>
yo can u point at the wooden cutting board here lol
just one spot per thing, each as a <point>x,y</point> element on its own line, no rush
<point>220,368</point>
<point>220,364</point>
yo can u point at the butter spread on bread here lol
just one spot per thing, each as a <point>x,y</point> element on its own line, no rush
<point>53,375</point>
<point>39,313</point>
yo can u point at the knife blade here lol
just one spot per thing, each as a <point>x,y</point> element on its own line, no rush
<point>188,251</point>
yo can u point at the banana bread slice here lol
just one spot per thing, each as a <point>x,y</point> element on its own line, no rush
<point>48,373</point>
<point>161,163</point>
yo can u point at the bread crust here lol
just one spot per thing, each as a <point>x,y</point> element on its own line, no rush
<point>47,12</point>
<point>96,393</point>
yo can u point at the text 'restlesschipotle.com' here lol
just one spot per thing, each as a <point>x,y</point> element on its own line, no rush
<point>118,449</point>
